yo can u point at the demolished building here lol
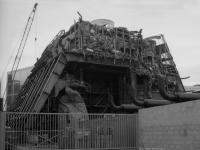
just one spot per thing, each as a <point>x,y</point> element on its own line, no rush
<point>91,70</point>
<point>103,69</point>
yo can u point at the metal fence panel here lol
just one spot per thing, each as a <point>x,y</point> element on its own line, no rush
<point>2,131</point>
<point>70,131</point>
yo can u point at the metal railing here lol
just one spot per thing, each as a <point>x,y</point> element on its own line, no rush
<point>68,131</point>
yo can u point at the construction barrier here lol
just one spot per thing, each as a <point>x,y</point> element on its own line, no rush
<point>68,131</point>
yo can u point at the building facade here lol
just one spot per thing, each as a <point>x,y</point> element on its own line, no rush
<point>14,85</point>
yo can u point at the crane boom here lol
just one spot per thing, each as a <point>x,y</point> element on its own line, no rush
<point>23,41</point>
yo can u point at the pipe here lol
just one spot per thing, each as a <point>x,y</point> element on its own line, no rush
<point>137,103</point>
<point>121,107</point>
<point>163,91</point>
<point>176,97</point>
<point>185,96</point>
<point>145,102</point>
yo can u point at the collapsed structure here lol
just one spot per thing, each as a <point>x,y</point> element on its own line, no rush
<point>102,69</point>
<point>91,70</point>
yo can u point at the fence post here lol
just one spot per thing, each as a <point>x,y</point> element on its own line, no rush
<point>138,138</point>
<point>2,130</point>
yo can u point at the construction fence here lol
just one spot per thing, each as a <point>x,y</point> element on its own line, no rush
<point>48,131</point>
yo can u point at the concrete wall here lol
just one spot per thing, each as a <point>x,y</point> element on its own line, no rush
<point>171,127</point>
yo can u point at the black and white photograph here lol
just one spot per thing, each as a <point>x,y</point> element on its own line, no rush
<point>99,75</point>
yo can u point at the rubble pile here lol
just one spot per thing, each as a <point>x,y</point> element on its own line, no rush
<point>90,39</point>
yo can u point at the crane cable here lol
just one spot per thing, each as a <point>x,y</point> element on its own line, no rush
<point>9,61</point>
<point>36,36</point>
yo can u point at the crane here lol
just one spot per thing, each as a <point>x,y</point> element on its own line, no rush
<point>23,41</point>
<point>22,45</point>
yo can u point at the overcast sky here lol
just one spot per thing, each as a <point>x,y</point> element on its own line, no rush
<point>178,20</point>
